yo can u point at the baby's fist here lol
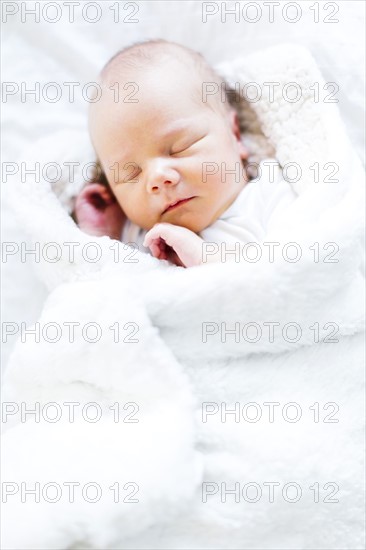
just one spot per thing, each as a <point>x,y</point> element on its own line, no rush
<point>176,244</point>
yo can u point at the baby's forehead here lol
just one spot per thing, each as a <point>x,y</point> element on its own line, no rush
<point>163,85</point>
<point>172,80</point>
<point>170,75</point>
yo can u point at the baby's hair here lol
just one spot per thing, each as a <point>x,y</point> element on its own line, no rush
<point>146,54</point>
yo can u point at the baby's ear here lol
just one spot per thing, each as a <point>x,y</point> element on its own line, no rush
<point>235,128</point>
<point>97,211</point>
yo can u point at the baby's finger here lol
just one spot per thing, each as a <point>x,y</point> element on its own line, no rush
<point>163,250</point>
<point>158,248</point>
<point>149,238</point>
<point>154,247</point>
<point>161,230</point>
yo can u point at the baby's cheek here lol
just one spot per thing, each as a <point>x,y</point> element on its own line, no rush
<point>124,198</point>
<point>138,212</point>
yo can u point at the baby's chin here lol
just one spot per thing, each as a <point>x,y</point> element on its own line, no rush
<point>188,216</point>
<point>194,225</point>
<point>191,223</point>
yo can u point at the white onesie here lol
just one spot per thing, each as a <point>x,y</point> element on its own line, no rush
<point>247,219</point>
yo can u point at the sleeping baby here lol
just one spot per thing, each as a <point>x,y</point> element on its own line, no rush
<point>173,163</point>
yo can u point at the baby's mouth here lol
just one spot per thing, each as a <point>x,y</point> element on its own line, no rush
<point>176,204</point>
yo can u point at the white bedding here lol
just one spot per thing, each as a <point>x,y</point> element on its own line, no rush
<point>170,452</point>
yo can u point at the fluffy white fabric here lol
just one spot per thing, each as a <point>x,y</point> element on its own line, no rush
<point>180,362</point>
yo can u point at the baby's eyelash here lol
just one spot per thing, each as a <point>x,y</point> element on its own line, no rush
<point>188,146</point>
<point>181,150</point>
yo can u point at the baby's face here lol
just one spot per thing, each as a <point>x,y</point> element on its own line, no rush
<point>161,149</point>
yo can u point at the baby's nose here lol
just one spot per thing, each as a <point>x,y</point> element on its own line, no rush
<point>160,176</point>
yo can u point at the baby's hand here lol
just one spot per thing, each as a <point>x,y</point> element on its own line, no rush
<point>176,244</point>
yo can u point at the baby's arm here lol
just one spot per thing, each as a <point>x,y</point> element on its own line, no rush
<point>176,244</point>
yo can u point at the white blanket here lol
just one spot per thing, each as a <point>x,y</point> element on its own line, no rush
<point>295,348</point>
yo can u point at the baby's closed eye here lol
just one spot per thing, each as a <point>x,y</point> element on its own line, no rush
<point>131,170</point>
<point>180,148</point>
